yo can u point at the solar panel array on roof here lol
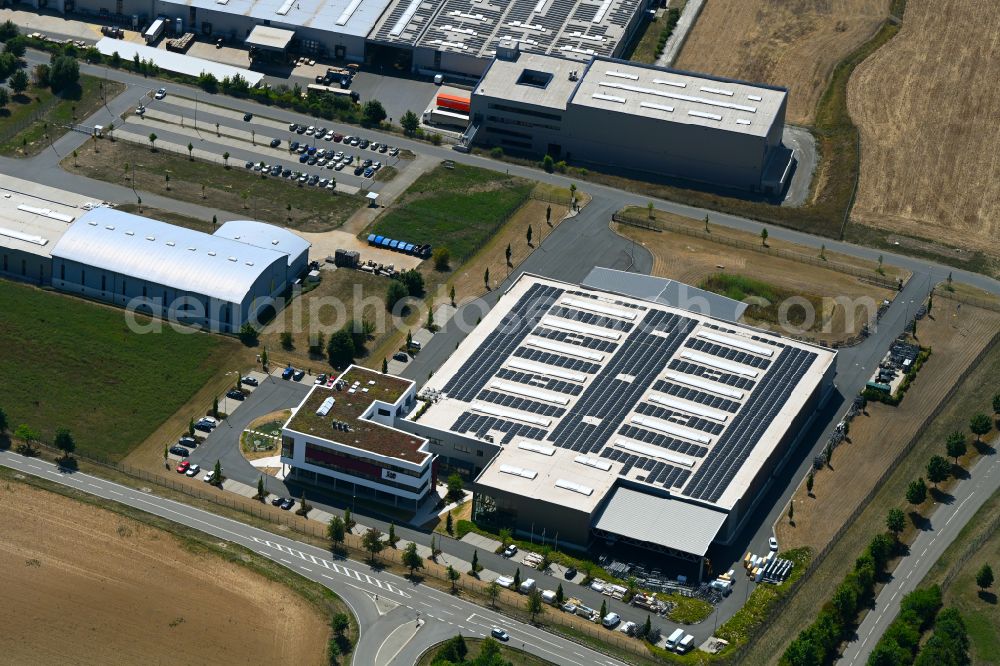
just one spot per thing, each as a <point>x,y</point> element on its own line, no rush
<point>591,318</point>
<point>660,473</point>
<point>732,449</point>
<point>710,373</point>
<point>541,382</point>
<point>610,398</point>
<point>482,425</point>
<point>694,395</point>
<point>575,338</point>
<point>727,353</point>
<point>557,360</point>
<point>488,358</point>
<point>687,420</point>
<point>664,441</point>
<point>523,404</point>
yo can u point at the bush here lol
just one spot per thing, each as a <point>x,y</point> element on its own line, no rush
<point>436,139</point>
<point>413,281</point>
<point>496,151</point>
<point>64,73</point>
<point>340,349</point>
<point>395,293</point>
<point>248,334</point>
<point>442,259</point>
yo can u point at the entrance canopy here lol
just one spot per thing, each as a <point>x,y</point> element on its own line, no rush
<point>270,39</point>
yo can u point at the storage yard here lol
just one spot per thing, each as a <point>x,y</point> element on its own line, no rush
<point>794,44</point>
<point>922,102</point>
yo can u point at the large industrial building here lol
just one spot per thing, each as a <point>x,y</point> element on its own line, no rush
<point>218,282</point>
<point>586,413</point>
<point>637,118</point>
<point>452,36</point>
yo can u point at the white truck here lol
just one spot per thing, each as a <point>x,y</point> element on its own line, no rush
<point>527,586</point>
<point>505,581</point>
<point>438,116</point>
<point>155,30</point>
<point>549,597</point>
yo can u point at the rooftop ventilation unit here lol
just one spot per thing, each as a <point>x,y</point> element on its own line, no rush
<point>327,405</point>
<point>575,487</point>
<point>514,470</point>
<point>596,463</point>
<point>537,448</point>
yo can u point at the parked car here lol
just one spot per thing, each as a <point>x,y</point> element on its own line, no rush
<point>187,442</point>
<point>287,504</point>
<point>292,127</point>
<point>358,170</point>
<point>369,172</point>
<point>248,380</point>
<point>139,110</point>
<point>393,152</point>
<point>355,140</point>
<point>249,164</point>
<point>303,158</point>
<point>294,145</point>
<point>161,93</point>
<point>203,426</point>
<point>209,478</point>
<point>236,394</point>
<point>301,129</point>
<point>568,607</point>
<point>773,543</point>
<point>384,148</point>
<point>193,470</point>
<point>180,451</point>
<point>310,130</point>
<point>611,620</point>
<point>321,379</point>
<point>277,501</point>
<point>510,551</point>
<point>338,137</point>
<point>183,466</point>
<point>570,573</point>
<point>363,143</point>
<point>275,143</point>
<point>286,173</point>
<point>287,372</point>
<point>499,634</point>
<point>247,117</point>
<point>400,356</point>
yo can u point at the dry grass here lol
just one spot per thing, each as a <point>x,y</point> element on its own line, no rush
<point>926,105</point>
<point>973,395</point>
<point>876,439</point>
<point>790,43</point>
<point>690,260</point>
<point>92,582</point>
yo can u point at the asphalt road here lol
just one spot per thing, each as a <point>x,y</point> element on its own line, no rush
<point>952,513</point>
<point>400,603</point>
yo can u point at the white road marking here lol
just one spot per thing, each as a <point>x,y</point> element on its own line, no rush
<point>959,508</point>
<point>93,485</point>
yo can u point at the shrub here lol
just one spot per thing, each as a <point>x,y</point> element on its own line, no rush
<point>442,259</point>
<point>496,151</point>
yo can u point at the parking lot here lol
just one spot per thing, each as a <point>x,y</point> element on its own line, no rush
<point>309,152</point>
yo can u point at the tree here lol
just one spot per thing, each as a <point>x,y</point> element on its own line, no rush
<point>560,595</point>
<point>190,147</point>
<point>152,140</point>
<point>64,442</point>
<point>16,46</point>
<point>413,281</point>
<point>430,316</point>
<point>409,122</point>
<point>452,295</point>
<point>791,513</point>
<point>372,542</point>
<point>548,215</point>
<point>373,112</point>
<point>225,159</point>
<point>916,492</point>
<point>18,82</point>
<point>647,627</point>
<point>248,335</point>
<point>453,577</point>
<point>493,591</point>
<point>449,525</point>
<point>895,521</point>
<point>938,470</point>
<point>286,340</point>
<point>984,577</point>
<point>340,349</point>
<point>442,258</point>
<point>604,609</point>
<point>27,435</point>
<point>517,578</point>
<point>980,424</point>
<point>41,75</point>
<point>395,293</point>
<point>828,452</point>
<point>505,537</point>
<point>435,548</point>
<point>8,30</point>
<point>340,623</point>
<point>261,493</point>
<point>528,235</point>
<point>809,484</point>
<point>411,558</point>
<point>385,365</point>
<point>392,539</point>
<point>763,237</point>
<point>335,530</point>
<point>548,163</point>
<point>4,424</point>
<point>535,603</point>
<point>5,100</point>
<point>217,473</point>
<point>349,522</point>
<point>190,427</point>
<point>64,72</point>
<point>456,489</point>
<point>507,253</point>
<point>215,407</point>
<point>453,651</point>
<point>996,403</point>
<point>955,445</point>
<point>649,207</point>
<point>486,278</point>
<point>476,566</point>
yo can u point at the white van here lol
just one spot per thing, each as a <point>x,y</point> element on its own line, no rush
<point>505,581</point>
<point>549,597</point>
<point>674,639</point>
<point>611,620</point>
<point>686,644</point>
<point>527,586</point>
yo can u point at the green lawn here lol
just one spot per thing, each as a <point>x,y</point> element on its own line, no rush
<point>765,299</point>
<point>57,112</point>
<point>458,208</point>
<point>71,363</point>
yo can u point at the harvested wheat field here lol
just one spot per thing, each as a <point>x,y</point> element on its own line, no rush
<point>926,104</point>
<point>956,338</point>
<point>86,585</point>
<point>790,43</point>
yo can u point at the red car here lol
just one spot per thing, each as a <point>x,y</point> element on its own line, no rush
<point>182,466</point>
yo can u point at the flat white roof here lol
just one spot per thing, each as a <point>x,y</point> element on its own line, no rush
<point>677,400</point>
<point>176,62</point>
<point>33,217</point>
<point>268,37</point>
<point>347,17</point>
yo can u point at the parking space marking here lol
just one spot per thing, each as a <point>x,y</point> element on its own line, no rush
<point>285,561</point>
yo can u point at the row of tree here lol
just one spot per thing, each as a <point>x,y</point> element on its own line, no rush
<point>28,436</point>
<point>900,645</point>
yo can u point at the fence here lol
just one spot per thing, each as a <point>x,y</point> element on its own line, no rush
<point>661,225</point>
<point>863,504</point>
<point>969,300</point>
<point>970,550</point>
<point>12,130</point>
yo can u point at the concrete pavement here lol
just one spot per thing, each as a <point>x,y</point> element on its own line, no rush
<point>943,526</point>
<point>355,582</point>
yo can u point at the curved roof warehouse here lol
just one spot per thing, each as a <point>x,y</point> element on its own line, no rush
<point>203,279</point>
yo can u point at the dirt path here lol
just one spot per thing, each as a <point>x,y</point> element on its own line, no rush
<point>88,585</point>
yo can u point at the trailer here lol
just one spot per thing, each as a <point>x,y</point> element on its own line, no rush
<point>155,30</point>
<point>454,103</point>
<point>445,118</point>
<point>319,90</point>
